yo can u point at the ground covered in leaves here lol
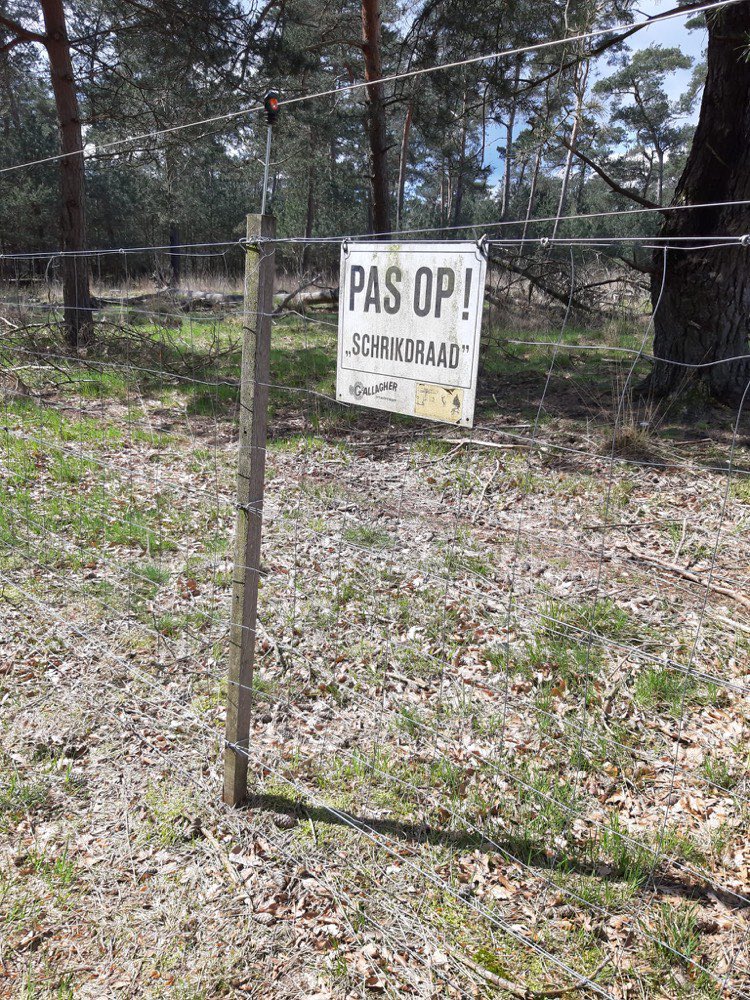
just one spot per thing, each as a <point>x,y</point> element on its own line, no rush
<point>499,741</point>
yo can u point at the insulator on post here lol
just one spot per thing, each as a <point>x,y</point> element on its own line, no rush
<point>271,104</point>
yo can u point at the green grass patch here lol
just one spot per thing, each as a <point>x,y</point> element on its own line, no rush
<point>170,814</point>
<point>631,860</point>
<point>666,687</point>
<point>719,772</point>
<point>676,928</point>
<point>367,536</point>
<point>18,796</point>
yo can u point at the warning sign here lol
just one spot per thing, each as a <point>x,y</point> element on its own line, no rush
<point>410,321</point>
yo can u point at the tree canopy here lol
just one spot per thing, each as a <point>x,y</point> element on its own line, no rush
<point>432,116</point>
<point>470,145</point>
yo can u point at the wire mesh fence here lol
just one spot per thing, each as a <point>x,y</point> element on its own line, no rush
<point>500,707</point>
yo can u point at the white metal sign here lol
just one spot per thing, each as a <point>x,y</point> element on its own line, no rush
<point>410,321</point>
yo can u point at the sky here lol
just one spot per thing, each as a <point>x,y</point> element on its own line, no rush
<point>670,33</point>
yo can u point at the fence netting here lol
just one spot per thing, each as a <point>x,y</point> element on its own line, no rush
<point>500,704</point>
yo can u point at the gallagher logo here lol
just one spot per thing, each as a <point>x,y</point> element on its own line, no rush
<point>358,390</point>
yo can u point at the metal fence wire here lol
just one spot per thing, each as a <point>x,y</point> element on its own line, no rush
<point>500,708</point>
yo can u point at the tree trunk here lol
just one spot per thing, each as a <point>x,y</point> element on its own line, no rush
<point>580,188</point>
<point>376,125</point>
<point>174,255</point>
<point>505,193</point>
<point>171,177</point>
<point>458,194</point>
<point>442,193</point>
<point>703,314</point>
<point>582,74</point>
<point>76,292</point>
<point>14,118</point>
<point>532,194</point>
<point>649,173</point>
<point>660,191</point>
<point>509,129</point>
<point>402,167</point>
<point>310,212</point>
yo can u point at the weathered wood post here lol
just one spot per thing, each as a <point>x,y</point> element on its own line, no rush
<point>256,349</point>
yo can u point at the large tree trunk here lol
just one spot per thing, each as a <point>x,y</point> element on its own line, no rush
<point>703,314</point>
<point>76,293</point>
<point>376,126</point>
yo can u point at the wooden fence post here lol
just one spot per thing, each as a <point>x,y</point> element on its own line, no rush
<point>256,349</point>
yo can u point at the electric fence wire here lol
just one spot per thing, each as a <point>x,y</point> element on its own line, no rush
<point>487,837</point>
<point>202,784</point>
<point>586,636</point>
<point>392,78</point>
<point>481,227</point>
<point>358,825</point>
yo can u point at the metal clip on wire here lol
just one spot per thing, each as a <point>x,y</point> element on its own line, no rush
<point>745,240</point>
<point>545,242</point>
<point>483,245</point>
<point>253,507</point>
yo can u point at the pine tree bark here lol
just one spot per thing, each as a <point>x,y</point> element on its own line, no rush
<point>702,315</point>
<point>376,124</point>
<point>76,290</point>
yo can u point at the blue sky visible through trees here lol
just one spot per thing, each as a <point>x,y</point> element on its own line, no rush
<point>672,33</point>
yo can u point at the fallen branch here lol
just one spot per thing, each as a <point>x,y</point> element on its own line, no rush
<point>319,297</point>
<point>562,297</point>
<point>184,299</point>
<point>484,492</point>
<point>613,281</point>
<point>731,622</point>
<point>641,268</point>
<point>458,442</point>
<point>230,870</point>
<point>526,993</point>
<point>288,298</point>
<point>687,574</point>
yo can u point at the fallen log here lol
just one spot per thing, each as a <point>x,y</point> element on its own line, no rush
<point>288,297</point>
<point>183,299</point>
<point>301,299</point>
